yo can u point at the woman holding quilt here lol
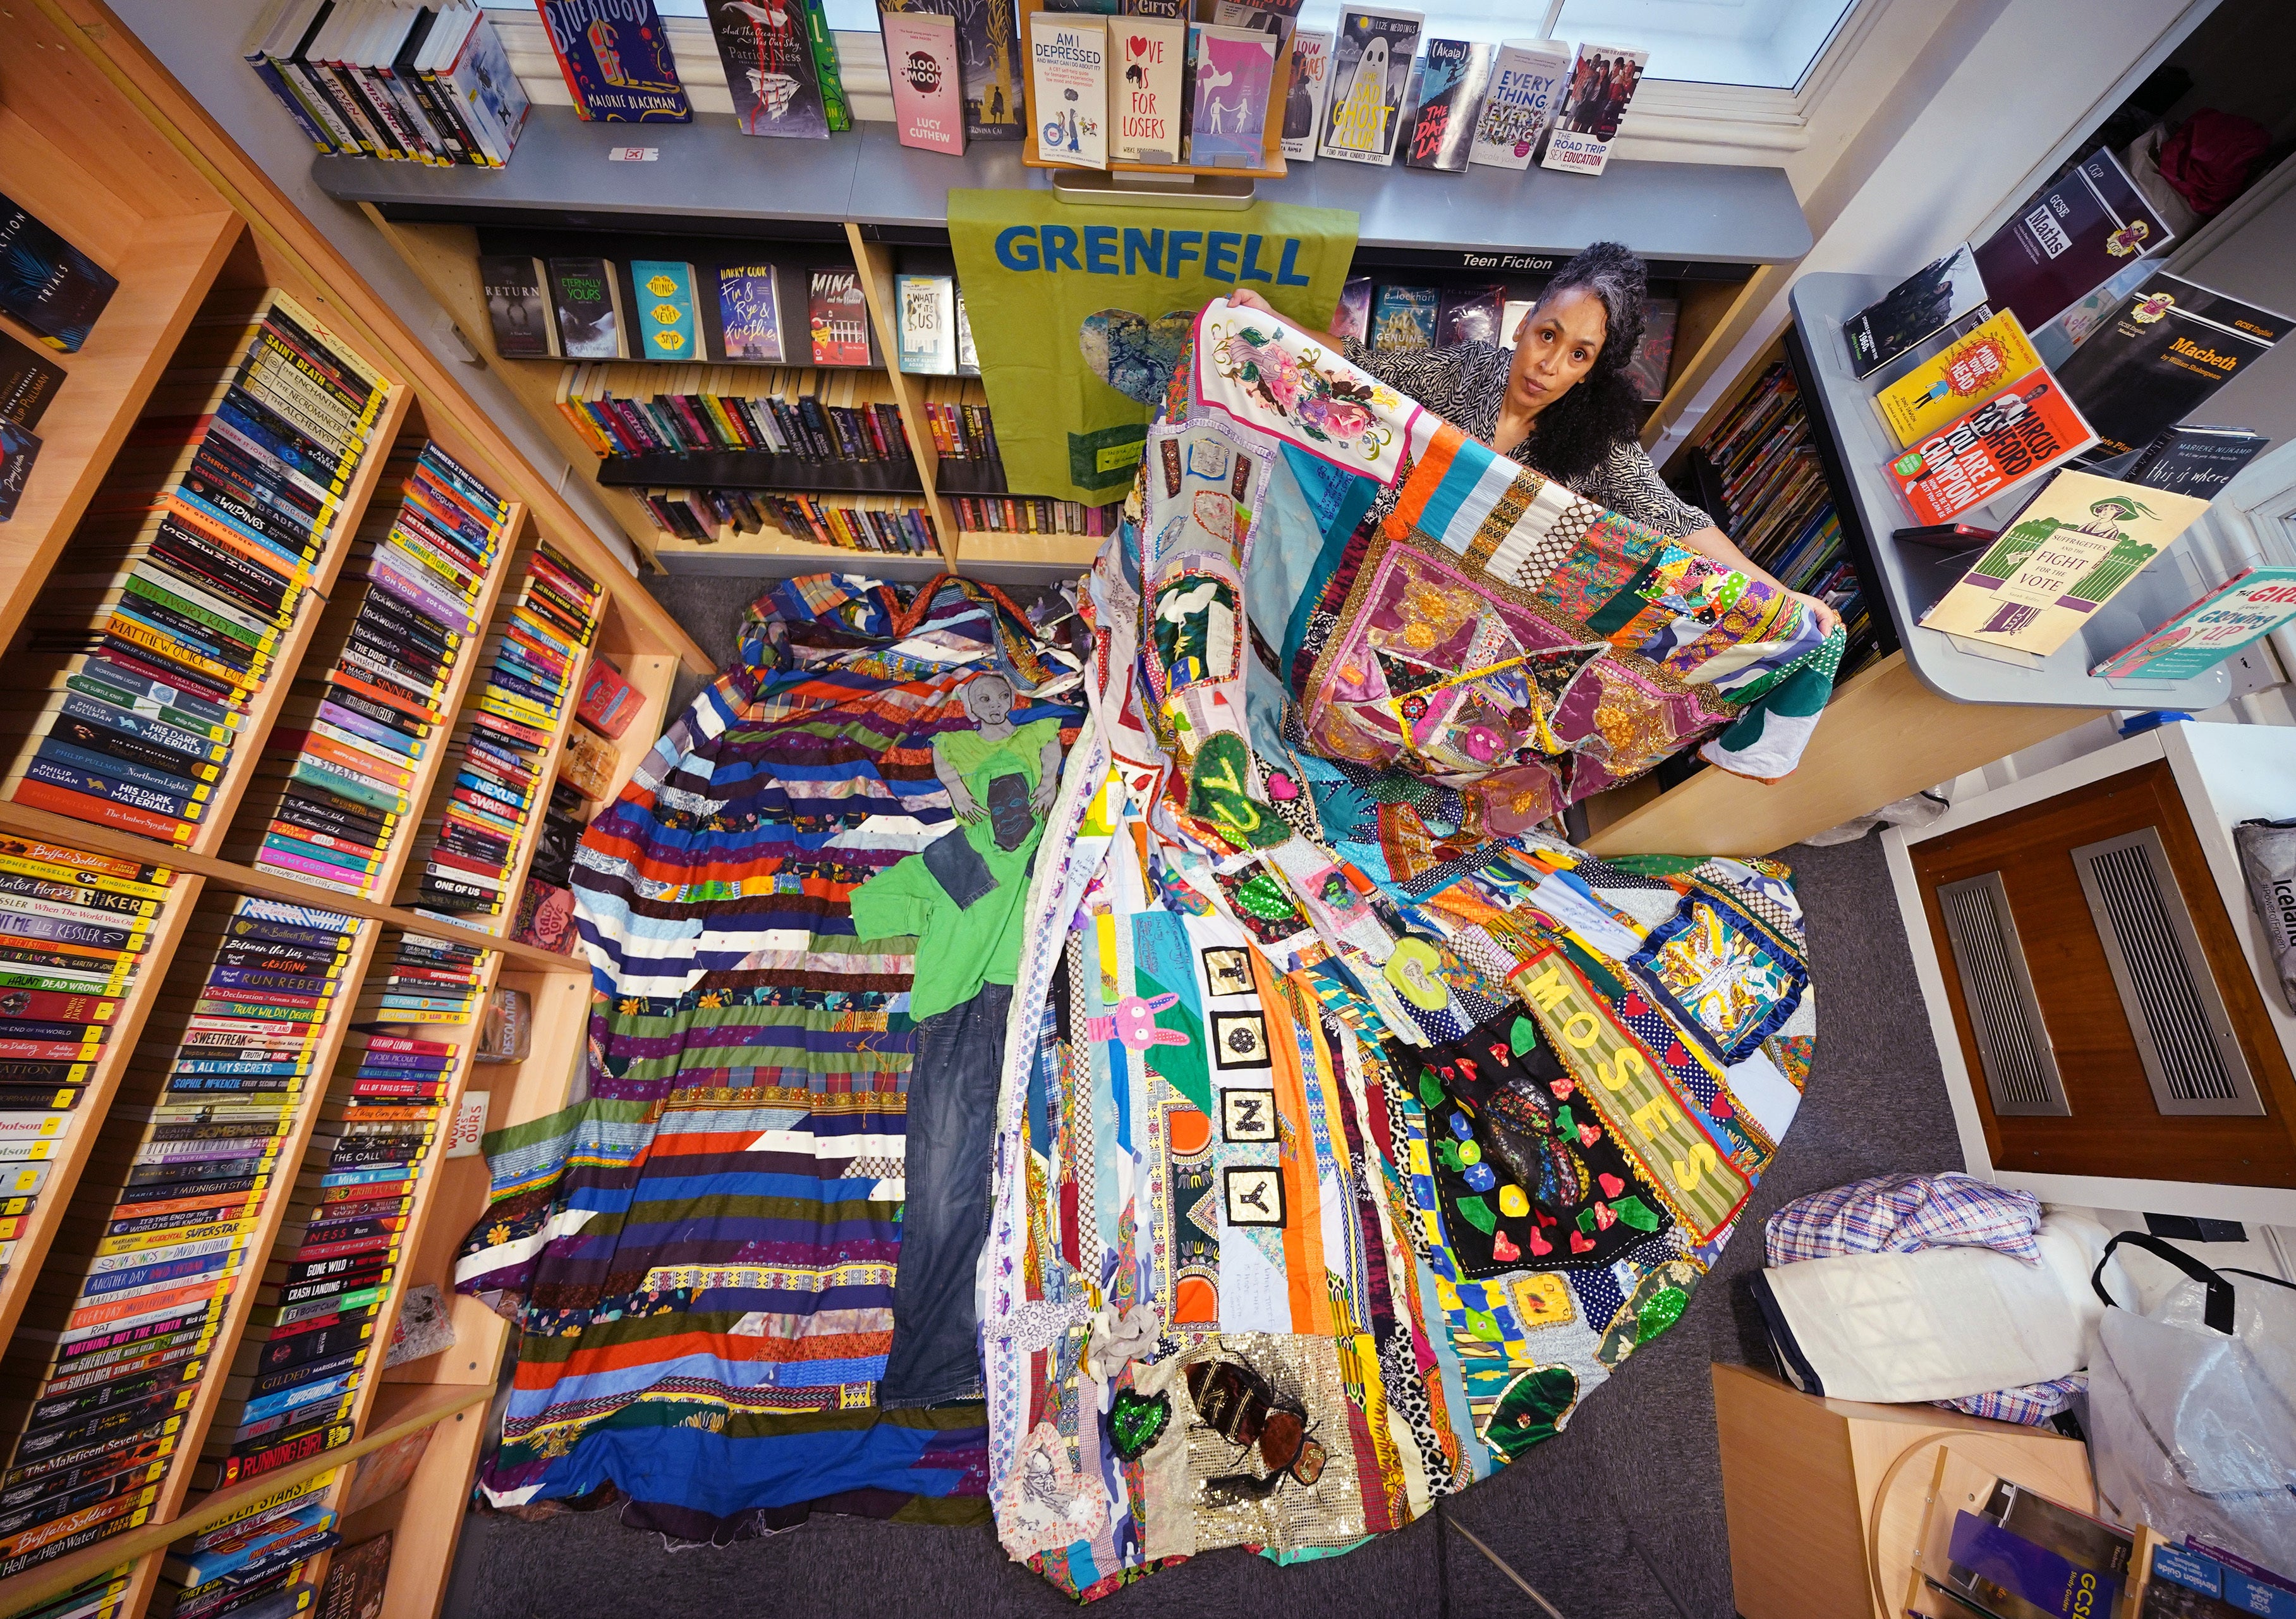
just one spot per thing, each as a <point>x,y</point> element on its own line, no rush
<point>1559,402</point>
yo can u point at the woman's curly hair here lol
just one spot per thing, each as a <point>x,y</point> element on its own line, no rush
<point>1575,435</point>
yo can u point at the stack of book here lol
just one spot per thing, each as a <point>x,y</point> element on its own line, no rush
<point>463,861</point>
<point>73,927</point>
<point>894,523</point>
<point>373,78</point>
<point>423,981</point>
<point>815,414</point>
<point>337,773</point>
<point>338,1248</point>
<point>1779,507</point>
<point>956,414</point>
<point>1033,514</point>
<point>128,1305</point>
<point>97,1599</point>
<point>250,1564</point>
<point>334,1266</point>
<point>160,622</point>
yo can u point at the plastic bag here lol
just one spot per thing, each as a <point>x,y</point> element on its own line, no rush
<point>2267,860</point>
<point>2192,1410</point>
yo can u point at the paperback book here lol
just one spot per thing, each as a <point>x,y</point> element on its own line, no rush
<point>1145,103</point>
<point>26,383</point>
<point>20,447</point>
<point>2072,549</point>
<point>1604,79</point>
<point>2162,356</point>
<point>766,47</point>
<point>1968,372</point>
<point>1403,320</point>
<point>1469,315</point>
<point>2076,233</point>
<point>1372,54</point>
<point>1068,87</point>
<point>616,59</point>
<point>1234,76</point>
<point>928,98</point>
<point>991,51</point>
<point>587,296</point>
<point>1306,92</point>
<point>1527,77</point>
<point>840,319</point>
<point>2230,619</point>
<point>518,306</point>
<point>2192,460</point>
<point>48,283</point>
<point>1352,317</point>
<point>750,312</point>
<point>1453,81</point>
<point>928,316</point>
<point>664,289</point>
<point>1940,294</point>
<point>2025,430</point>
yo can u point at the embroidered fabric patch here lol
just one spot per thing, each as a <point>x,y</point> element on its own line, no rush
<point>1721,973</point>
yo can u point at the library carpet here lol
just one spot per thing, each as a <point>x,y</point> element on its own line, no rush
<point>1642,1531</point>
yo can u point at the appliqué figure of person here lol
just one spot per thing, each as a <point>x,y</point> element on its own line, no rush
<point>959,755</point>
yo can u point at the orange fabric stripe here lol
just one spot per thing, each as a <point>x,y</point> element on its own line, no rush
<point>1425,479</point>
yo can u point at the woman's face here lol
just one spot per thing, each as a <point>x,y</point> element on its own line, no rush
<point>1555,346</point>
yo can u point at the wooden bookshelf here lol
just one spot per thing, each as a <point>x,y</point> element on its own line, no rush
<point>98,142</point>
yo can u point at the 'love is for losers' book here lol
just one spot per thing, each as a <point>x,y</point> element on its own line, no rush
<point>1143,100</point>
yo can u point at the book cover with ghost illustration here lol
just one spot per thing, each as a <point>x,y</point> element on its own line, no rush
<point>769,67</point>
<point>1372,54</point>
<point>1235,70</point>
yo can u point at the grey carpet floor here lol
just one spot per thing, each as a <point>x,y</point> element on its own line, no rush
<point>1620,1515</point>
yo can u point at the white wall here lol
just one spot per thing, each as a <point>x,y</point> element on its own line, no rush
<point>197,40</point>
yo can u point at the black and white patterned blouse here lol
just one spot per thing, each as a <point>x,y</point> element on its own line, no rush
<point>1465,385</point>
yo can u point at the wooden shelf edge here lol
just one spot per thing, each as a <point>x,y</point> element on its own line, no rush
<point>235,878</point>
<point>96,1102</point>
<point>358,312</point>
<point>287,665</point>
<point>193,249</point>
<point>431,1405</point>
<point>1044,550</point>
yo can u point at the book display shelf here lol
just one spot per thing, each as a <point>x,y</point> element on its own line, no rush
<point>99,143</point>
<point>1715,236</point>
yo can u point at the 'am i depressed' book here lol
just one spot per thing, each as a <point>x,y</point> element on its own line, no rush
<point>617,61</point>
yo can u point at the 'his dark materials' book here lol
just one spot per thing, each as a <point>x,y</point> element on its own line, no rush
<point>17,450</point>
<point>2068,241</point>
<point>1932,297</point>
<point>2160,356</point>
<point>27,383</point>
<point>587,293</point>
<point>48,283</point>
<point>518,306</point>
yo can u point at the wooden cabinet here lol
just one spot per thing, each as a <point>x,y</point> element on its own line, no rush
<point>1825,1497</point>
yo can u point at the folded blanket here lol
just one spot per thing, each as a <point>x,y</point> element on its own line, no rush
<point>1942,1324</point>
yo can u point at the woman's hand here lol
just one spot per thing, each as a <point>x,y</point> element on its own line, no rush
<point>1245,297</point>
<point>1828,620</point>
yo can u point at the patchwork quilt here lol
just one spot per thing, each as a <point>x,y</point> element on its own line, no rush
<point>1350,1129</point>
<point>1354,1129</point>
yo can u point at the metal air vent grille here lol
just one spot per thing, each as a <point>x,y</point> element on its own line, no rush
<point>2013,1041</point>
